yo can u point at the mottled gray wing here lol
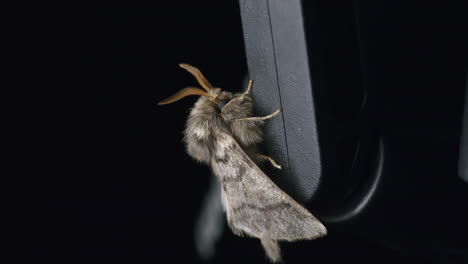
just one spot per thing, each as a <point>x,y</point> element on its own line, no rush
<point>254,204</point>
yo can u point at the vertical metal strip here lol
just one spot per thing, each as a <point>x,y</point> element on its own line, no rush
<point>277,58</point>
<point>295,84</point>
<point>463,157</point>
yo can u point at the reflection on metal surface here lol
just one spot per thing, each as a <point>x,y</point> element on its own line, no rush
<point>362,197</point>
<point>210,223</point>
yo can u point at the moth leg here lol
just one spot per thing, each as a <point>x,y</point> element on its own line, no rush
<point>262,118</point>
<point>249,87</point>
<point>272,161</point>
<point>247,91</point>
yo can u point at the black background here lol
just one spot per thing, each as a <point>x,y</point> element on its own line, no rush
<point>92,170</point>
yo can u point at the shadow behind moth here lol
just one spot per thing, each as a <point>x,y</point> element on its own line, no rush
<point>225,138</point>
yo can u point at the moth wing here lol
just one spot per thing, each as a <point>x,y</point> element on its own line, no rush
<point>254,205</point>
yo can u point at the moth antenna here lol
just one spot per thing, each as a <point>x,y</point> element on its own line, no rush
<point>183,93</point>
<point>198,75</point>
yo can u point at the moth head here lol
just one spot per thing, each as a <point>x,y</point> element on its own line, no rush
<point>212,93</point>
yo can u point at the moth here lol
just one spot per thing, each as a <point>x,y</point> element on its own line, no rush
<point>225,137</point>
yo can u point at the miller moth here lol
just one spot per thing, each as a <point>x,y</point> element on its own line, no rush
<point>226,138</point>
